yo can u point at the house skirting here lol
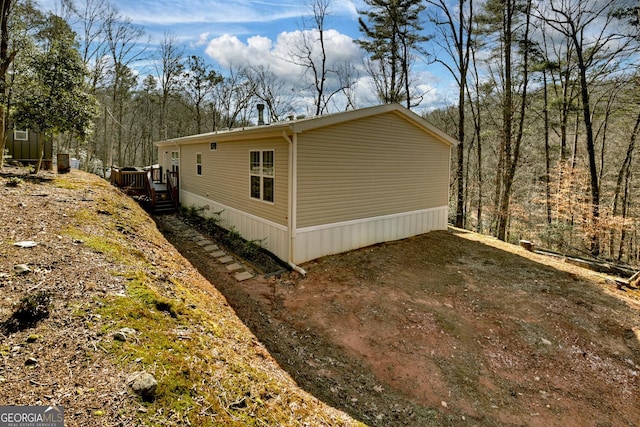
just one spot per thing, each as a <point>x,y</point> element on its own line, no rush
<point>314,242</point>
<point>317,241</point>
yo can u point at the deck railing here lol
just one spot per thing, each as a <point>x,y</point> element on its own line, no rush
<point>128,178</point>
<point>173,185</point>
<point>147,183</point>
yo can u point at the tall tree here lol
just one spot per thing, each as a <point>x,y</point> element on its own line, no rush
<point>326,79</point>
<point>198,83</point>
<point>233,97</point>
<point>510,21</point>
<point>18,19</point>
<point>476,99</point>
<point>623,183</point>
<point>591,28</point>
<point>456,31</point>
<point>52,98</point>
<point>169,68</point>
<point>123,42</point>
<point>6,57</point>
<point>320,10</point>
<point>146,104</point>
<point>392,33</point>
<point>91,16</point>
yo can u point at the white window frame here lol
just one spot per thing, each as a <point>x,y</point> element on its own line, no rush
<point>263,174</point>
<point>199,164</point>
<point>20,134</point>
<point>213,146</point>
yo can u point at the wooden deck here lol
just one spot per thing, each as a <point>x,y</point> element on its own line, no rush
<point>147,184</point>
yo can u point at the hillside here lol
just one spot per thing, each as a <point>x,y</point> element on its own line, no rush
<point>447,328</point>
<point>101,296</point>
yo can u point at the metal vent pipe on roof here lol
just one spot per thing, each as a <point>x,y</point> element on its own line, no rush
<point>260,114</point>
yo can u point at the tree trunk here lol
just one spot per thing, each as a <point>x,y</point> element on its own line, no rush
<point>512,147</point>
<point>3,133</point>
<point>547,155</point>
<point>6,58</point>
<point>507,123</point>
<point>624,174</point>
<point>591,151</point>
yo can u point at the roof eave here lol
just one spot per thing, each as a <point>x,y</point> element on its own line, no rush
<point>311,123</point>
<point>265,131</point>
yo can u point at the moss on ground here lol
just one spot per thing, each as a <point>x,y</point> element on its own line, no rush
<point>210,369</point>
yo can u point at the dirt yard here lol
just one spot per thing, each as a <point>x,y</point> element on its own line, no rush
<point>448,328</point>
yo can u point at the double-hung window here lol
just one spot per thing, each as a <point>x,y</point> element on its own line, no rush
<point>198,163</point>
<point>262,173</point>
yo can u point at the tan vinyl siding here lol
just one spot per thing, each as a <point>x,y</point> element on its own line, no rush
<point>225,175</point>
<point>369,167</point>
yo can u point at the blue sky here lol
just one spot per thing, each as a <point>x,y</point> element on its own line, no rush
<point>235,33</point>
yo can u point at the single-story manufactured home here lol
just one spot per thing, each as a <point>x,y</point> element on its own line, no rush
<point>322,185</point>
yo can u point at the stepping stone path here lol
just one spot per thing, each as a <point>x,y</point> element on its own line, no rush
<point>240,273</point>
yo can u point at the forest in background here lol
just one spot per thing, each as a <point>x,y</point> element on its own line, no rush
<point>547,111</point>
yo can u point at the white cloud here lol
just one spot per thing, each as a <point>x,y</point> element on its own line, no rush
<point>228,51</point>
<point>202,39</point>
<point>279,55</point>
<point>347,7</point>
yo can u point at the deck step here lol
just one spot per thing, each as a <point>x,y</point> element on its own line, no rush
<point>164,207</point>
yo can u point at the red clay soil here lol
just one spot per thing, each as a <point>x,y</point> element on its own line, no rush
<point>448,328</point>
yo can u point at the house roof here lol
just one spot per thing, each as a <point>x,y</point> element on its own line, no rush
<point>311,123</point>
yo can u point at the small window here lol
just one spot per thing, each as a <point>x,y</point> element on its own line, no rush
<point>213,146</point>
<point>198,163</point>
<point>20,135</point>
<point>175,161</point>
<point>262,174</point>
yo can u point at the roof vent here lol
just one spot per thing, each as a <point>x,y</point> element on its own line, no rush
<point>260,114</point>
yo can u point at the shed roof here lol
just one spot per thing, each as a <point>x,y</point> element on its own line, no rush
<point>311,123</point>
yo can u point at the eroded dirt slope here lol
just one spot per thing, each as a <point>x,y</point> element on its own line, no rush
<point>449,328</point>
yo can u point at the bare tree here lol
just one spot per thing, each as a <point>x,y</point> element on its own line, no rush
<point>90,16</point>
<point>233,97</point>
<point>590,27</point>
<point>456,30</point>
<point>348,76</point>
<point>475,103</point>
<point>123,42</point>
<point>169,68</point>
<point>511,75</point>
<point>198,83</point>
<point>311,53</point>
<point>271,91</point>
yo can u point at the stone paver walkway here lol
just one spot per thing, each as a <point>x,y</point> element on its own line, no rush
<point>233,266</point>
